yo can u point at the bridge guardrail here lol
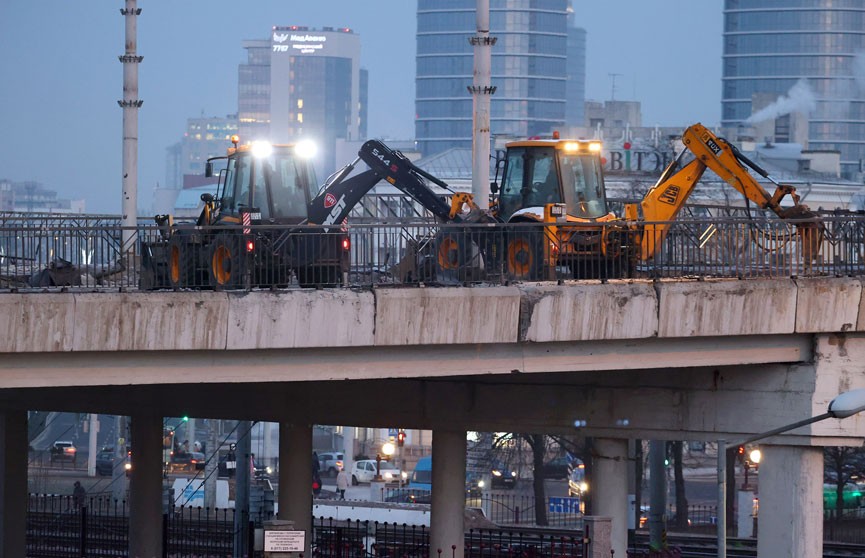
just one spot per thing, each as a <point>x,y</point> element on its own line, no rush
<point>43,256</point>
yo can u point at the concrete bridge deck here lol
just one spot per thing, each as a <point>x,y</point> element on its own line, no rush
<point>719,359</point>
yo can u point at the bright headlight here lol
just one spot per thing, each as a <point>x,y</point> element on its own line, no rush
<point>497,473</point>
<point>261,149</point>
<point>584,487</point>
<point>480,484</point>
<point>595,147</point>
<point>305,149</point>
<point>388,475</point>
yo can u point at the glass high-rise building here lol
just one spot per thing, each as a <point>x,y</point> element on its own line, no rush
<point>771,45</point>
<point>575,91</point>
<point>529,70</point>
<point>303,83</point>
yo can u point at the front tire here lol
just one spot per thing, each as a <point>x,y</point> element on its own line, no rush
<point>181,263</point>
<point>354,481</point>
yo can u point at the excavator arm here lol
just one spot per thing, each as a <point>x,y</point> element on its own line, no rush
<point>663,202</point>
<point>336,200</point>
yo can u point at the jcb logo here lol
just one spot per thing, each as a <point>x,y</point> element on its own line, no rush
<point>669,195</point>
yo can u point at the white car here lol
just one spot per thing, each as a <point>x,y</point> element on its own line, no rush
<point>364,471</point>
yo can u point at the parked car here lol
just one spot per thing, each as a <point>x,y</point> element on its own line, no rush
<point>330,462</point>
<point>365,471</point>
<point>63,451</point>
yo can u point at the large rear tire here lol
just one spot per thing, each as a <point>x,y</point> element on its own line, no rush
<point>226,262</point>
<point>524,255</point>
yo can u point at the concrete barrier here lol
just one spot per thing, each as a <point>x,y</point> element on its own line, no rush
<point>431,316</point>
<point>165,321</point>
<point>35,323</point>
<point>588,312</point>
<point>827,304</point>
<point>299,319</point>
<point>726,307</point>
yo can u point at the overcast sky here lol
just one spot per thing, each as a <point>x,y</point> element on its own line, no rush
<point>60,78</point>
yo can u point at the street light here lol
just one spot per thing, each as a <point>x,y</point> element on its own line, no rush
<point>844,405</point>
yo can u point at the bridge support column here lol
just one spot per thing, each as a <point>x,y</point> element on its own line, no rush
<point>13,484</point>
<point>447,510</point>
<point>295,478</point>
<point>610,488</point>
<point>145,487</point>
<point>790,520</point>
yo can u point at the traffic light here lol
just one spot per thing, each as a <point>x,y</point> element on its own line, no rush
<point>400,438</point>
<point>740,453</point>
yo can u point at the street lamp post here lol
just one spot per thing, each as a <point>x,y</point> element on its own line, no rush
<point>845,405</point>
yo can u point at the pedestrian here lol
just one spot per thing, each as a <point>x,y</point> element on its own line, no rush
<point>341,483</point>
<point>78,495</point>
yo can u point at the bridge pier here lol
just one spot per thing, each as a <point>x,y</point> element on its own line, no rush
<point>295,478</point>
<point>791,502</point>
<point>447,512</point>
<point>610,490</point>
<point>145,487</point>
<point>13,484</point>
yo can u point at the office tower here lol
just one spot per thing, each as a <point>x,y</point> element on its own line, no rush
<point>205,137</point>
<point>303,83</point>
<point>529,70</point>
<point>792,62</point>
<point>575,90</point>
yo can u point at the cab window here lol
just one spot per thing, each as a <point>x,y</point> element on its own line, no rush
<point>531,180</point>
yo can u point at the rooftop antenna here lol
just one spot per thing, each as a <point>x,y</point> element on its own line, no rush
<point>613,87</point>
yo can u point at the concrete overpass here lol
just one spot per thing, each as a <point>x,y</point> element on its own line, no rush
<point>680,360</point>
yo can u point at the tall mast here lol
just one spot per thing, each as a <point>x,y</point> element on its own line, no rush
<point>481,90</point>
<point>130,105</point>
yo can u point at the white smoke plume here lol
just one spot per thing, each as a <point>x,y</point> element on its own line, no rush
<point>800,98</point>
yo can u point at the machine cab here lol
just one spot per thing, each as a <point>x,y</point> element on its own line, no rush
<point>275,180</point>
<point>541,172</point>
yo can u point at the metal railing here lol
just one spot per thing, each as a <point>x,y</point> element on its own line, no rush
<point>49,256</point>
<point>61,526</point>
<point>505,509</point>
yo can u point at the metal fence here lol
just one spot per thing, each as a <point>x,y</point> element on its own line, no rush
<point>60,527</point>
<point>506,509</point>
<point>51,254</point>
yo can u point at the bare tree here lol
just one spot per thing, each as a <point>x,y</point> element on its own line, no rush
<point>842,465</point>
<point>681,500</point>
<point>538,444</point>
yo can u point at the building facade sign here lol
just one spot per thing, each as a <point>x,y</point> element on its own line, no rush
<point>298,43</point>
<point>637,159</point>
